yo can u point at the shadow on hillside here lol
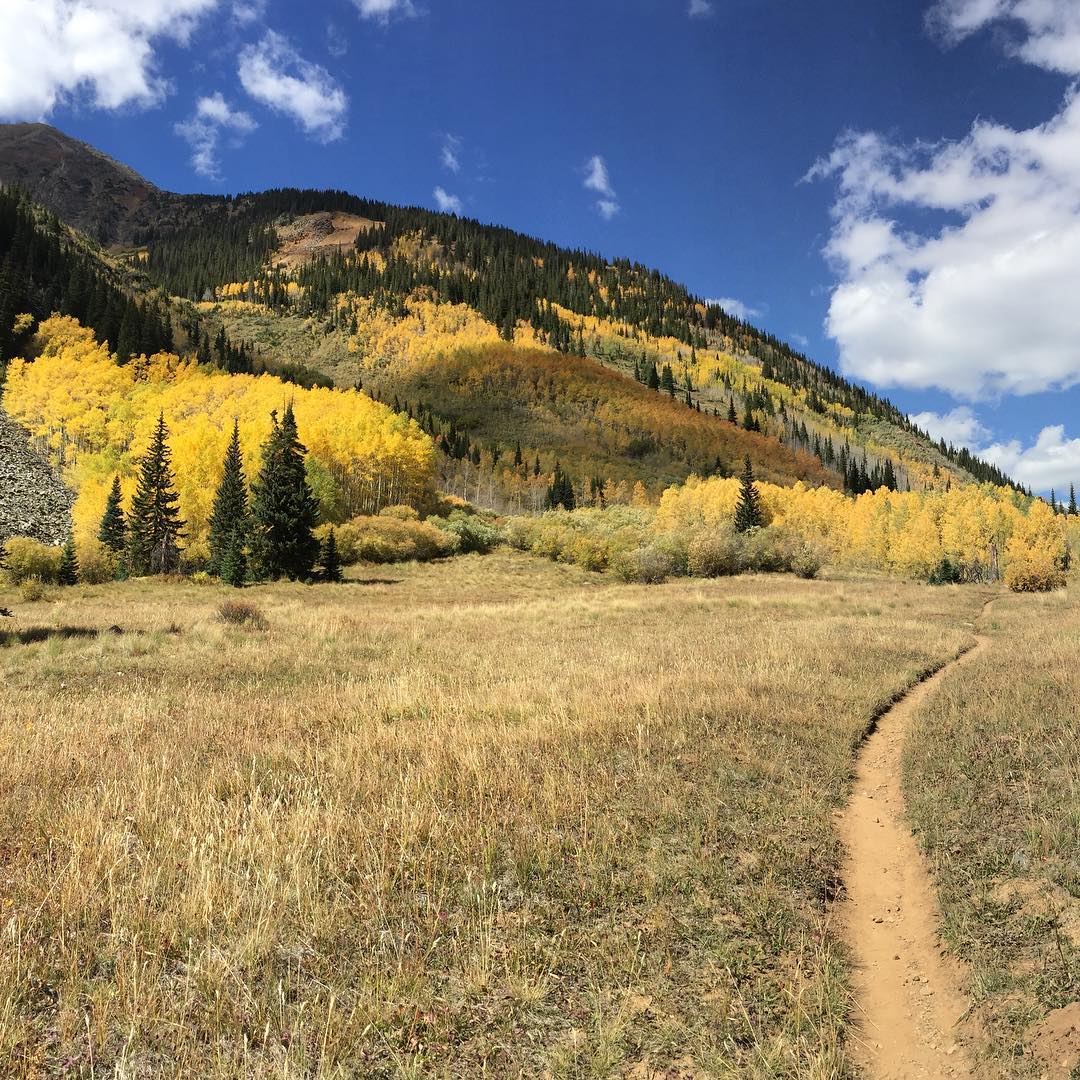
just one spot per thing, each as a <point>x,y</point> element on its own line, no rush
<point>372,581</point>
<point>34,634</point>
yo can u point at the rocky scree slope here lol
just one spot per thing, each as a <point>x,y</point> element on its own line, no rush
<point>33,500</point>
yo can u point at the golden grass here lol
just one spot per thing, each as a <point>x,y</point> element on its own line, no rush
<point>493,817</point>
<point>993,778</point>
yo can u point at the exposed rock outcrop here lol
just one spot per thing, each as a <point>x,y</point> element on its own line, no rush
<point>33,500</point>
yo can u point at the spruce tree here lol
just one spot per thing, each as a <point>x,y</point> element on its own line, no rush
<point>68,573</point>
<point>732,417</point>
<point>667,380</point>
<point>283,509</point>
<point>154,524</point>
<point>1072,500</point>
<point>748,514</point>
<point>330,560</point>
<point>113,529</point>
<point>229,518</point>
<point>233,566</point>
<point>653,378</point>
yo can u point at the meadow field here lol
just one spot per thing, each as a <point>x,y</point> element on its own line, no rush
<point>493,816</point>
<point>992,774</point>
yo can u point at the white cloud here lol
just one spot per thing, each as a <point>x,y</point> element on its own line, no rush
<point>450,155</point>
<point>1047,32</point>
<point>246,12</point>
<point>52,51</point>
<point>982,305</point>
<point>598,180</point>
<point>384,10</point>
<point>213,117</point>
<point>699,8</point>
<point>736,307</point>
<point>801,340</point>
<point>449,204</point>
<point>960,427</point>
<point>1052,462</point>
<point>276,75</point>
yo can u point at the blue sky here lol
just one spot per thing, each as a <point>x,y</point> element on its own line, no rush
<point>927,254</point>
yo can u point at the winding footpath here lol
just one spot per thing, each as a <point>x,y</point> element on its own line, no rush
<point>908,993</point>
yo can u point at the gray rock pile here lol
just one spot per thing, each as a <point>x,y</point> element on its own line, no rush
<point>33,500</point>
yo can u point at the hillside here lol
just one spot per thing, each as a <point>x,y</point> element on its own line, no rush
<point>462,326</point>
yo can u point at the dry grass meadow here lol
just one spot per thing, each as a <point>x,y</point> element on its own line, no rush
<point>993,780</point>
<point>491,817</point>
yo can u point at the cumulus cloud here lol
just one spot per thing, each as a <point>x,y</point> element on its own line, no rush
<point>277,76</point>
<point>960,427</point>
<point>384,10</point>
<point>101,51</point>
<point>1043,32</point>
<point>735,307</point>
<point>450,154</point>
<point>449,204</point>
<point>1053,461</point>
<point>699,8</point>
<point>598,180</point>
<point>982,305</point>
<point>247,12</point>
<point>203,131</point>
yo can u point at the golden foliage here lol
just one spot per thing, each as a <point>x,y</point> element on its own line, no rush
<point>96,418</point>
<point>980,528</point>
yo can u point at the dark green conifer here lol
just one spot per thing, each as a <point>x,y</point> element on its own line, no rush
<point>667,380</point>
<point>330,560</point>
<point>283,509</point>
<point>748,513</point>
<point>233,566</point>
<point>229,517</point>
<point>154,524</point>
<point>113,529</point>
<point>1072,500</point>
<point>68,573</point>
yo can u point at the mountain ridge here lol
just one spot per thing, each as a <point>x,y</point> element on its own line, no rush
<point>614,313</point>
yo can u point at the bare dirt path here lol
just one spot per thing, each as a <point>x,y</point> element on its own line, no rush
<point>908,994</point>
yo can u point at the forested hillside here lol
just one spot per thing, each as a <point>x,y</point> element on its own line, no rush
<point>520,358</point>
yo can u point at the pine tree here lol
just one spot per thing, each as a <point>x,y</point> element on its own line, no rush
<point>667,380</point>
<point>283,509</point>
<point>748,514</point>
<point>68,573</point>
<point>1072,500</point>
<point>330,560</point>
<point>113,529</point>
<point>154,524</point>
<point>732,416</point>
<point>229,517</point>
<point>653,378</point>
<point>233,566</point>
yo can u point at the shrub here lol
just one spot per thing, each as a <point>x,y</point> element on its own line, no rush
<point>473,533</point>
<point>97,563</point>
<point>241,613</point>
<point>201,577</point>
<point>716,554</point>
<point>388,539</point>
<point>650,564</point>
<point>401,513</point>
<point>1034,571</point>
<point>32,589</point>
<point>26,558</point>
<point>807,560</point>
<point>946,572</point>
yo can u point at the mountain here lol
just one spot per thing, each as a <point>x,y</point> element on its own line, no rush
<point>515,354</point>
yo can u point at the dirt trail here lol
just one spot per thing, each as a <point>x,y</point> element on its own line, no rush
<point>908,995</point>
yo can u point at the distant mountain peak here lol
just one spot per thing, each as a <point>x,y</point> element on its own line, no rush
<point>83,186</point>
